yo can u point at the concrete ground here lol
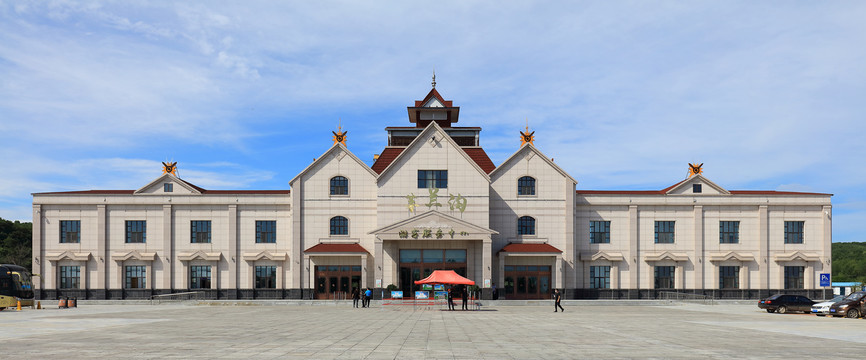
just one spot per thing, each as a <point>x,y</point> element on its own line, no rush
<point>685,331</point>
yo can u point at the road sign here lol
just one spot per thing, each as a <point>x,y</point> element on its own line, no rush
<point>825,280</point>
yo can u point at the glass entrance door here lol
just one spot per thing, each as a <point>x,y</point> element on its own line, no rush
<point>527,282</point>
<point>337,281</point>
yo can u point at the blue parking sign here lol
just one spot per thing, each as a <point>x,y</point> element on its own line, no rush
<point>825,280</point>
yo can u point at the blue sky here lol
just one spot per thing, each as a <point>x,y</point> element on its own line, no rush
<point>769,96</point>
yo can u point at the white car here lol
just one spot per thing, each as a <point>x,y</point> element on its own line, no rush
<point>823,308</point>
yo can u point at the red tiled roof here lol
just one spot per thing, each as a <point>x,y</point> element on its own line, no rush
<point>773,192</point>
<point>480,157</point>
<point>336,248</point>
<point>530,248</point>
<point>476,154</point>
<point>416,128</point>
<point>200,189</point>
<point>89,192</point>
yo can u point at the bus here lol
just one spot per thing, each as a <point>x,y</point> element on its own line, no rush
<point>15,286</point>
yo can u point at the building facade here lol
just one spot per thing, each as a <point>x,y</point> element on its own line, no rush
<point>431,200</point>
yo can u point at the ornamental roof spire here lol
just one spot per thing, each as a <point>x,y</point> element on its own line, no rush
<point>527,137</point>
<point>434,78</point>
<point>340,135</point>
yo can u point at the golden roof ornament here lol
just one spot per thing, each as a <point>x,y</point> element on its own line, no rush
<point>340,135</point>
<point>170,168</point>
<point>527,137</point>
<point>695,169</point>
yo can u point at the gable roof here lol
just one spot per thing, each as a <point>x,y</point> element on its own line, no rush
<point>420,139</point>
<point>192,188</point>
<point>694,179</point>
<point>335,147</point>
<point>477,154</point>
<point>433,94</point>
<point>527,148</point>
<point>197,190</point>
<point>337,248</point>
<point>431,213</point>
<point>683,183</point>
<point>530,248</point>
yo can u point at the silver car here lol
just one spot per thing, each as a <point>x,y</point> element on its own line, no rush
<point>823,308</point>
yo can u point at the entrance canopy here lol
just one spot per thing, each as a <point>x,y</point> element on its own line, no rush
<point>445,277</point>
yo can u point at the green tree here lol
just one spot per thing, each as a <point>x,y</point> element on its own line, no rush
<point>16,243</point>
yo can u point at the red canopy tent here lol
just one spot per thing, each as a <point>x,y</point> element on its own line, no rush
<point>445,277</point>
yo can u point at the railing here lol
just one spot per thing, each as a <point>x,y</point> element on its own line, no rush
<point>175,297</point>
<point>685,297</point>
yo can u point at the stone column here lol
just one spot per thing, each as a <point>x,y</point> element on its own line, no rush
<point>234,258</point>
<point>101,255</point>
<point>149,278</point>
<point>297,254</point>
<point>364,271</point>
<point>167,253</point>
<point>486,262</point>
<point>558,272</point>
<point>764,248</point>
<point>379,258</point>
<point>281,282</point>
<point>827,240</point>
<point>699,248</point>
<point>38,259</point>
<point>680,276</point>
<point>501,282</point>
<point>633,257</point>
<point>614,275</point>
<point>744,276</point>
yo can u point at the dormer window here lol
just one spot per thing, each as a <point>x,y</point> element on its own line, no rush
<point>696,188</point>
<point>167,187</point>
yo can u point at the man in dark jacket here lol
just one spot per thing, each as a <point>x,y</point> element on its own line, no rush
<point>464,295</point>
<point>356,295</point>
<point>557,297</point>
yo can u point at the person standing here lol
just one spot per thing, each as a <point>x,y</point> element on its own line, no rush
<point>464,295</point>
<point>356,295</point>
<point>367,295</point>
<point>451,299</point>
<point>557,298</point>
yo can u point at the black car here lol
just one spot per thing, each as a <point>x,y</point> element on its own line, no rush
<point>851,306</point>
<point>782,303</point>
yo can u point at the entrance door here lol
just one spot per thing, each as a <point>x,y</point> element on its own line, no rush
<point>527,282</point>
<point>416,264</point>
<point>337,281</point>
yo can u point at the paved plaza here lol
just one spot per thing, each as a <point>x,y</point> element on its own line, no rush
<point>328,331</point>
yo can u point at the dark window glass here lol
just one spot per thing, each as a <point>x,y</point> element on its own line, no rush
<point>599,277</point>
<point>200,231</point>
<point>167,187</point>
<point>526,225</point>
<point>70,277</point>
<point>526,186</point>
<point>794,232</point>
<point>455,256</point>
<point>664,232</point>
<point>339,185</point>
<point>729,232</point>
<point>729,277</point>
<point>339,225</point>
<point>410,256</point>
<point>664,277</point>
<point>794,277</point>
<point>599,232</point>
<point>136,231</point>
<point>433,256</point>
<point>266,231</point>
<point>136,277</point>
<point>199,277</point>
<point>432,179</point>
<point>266,277</point>
<point>696,188</point>
<point>70,231</point>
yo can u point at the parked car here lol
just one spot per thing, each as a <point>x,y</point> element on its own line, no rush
<point>850,307</point>
<point>823,308</point>
<point>782,303</point>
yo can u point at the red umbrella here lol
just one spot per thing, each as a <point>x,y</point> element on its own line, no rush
<point>445,277</point>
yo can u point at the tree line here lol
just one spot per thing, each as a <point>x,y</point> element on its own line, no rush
<point>16,242</point>
<point>849,261</point>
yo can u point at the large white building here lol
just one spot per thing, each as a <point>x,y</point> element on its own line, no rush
<point>432,200</point>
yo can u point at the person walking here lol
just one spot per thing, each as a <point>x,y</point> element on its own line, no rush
<point>367,295</point>
<point>356,295</point>
<point>557,298</point>
<point>464,295</point>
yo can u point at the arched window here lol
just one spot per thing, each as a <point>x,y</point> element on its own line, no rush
<point>526,225</point>
<point>339,225</point>
<point>339,185</point>
<point>526,185</point>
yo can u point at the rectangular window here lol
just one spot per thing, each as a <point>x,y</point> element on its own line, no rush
<point>794,277</point>
<point>599,232</point>
<point>200,231</point>
<point>70,277</point>
<point>697,188</point>
<point>136,231</point>
<point>664,232</point>
<point>70,231</point>
<point>433,256</point>
<point>599,277</point>
<point>136,277</point>
<point>199,277</point>
<point>266,277</point>
<point>167,187</point>
<point>664,277</point>
<point>729,277</point>
<point>432,179</point>
<point>455,256</point>
<point>794,232</point>
<point>410,256</point>
<point>729,232</point>
<point>266,231</point>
